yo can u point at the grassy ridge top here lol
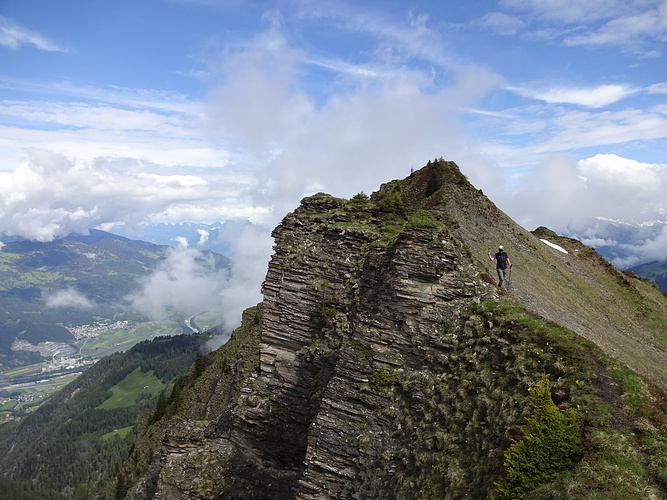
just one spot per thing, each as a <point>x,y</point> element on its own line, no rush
<point>622,315</point>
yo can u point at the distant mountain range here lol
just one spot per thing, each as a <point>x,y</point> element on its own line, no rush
<point>197,235</point>
<point>46,287</point>
<point>630,245</point>
<point>655,271</point>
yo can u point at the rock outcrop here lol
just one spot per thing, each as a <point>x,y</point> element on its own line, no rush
<point>382,361</point>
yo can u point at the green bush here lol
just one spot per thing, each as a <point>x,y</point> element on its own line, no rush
<point>360,197</point>
<point>393,203</point>
<point>550,445</point>
<point>423,219</point>
<point>382,378</point>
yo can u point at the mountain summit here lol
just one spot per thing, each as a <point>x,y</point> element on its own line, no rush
<point>384,363</point>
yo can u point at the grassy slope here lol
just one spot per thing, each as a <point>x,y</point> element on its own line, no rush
<point>126,392</point>
<point>625,317</point>
<point>459,414</point>
<point>202,395</point>
<point>61,442</point>
<point>655,271</point>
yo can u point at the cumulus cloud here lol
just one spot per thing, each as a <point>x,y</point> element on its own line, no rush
<point>649,249</point>
<point>203,237</point>
<point>250,246</point>
<point>186,283</point>
<point>50,195</point>
<point>68,298</point>
<point>565,193</point>
<point>376,128</point>
<point>605,200</point>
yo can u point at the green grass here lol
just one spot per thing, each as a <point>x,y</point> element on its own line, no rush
<point>126,392</point>
<point>9,405</point>
<point>121,433</point>
<point>423,219</point>
<point>125,338</point>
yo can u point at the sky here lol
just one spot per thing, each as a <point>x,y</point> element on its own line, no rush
<point>147,111</point>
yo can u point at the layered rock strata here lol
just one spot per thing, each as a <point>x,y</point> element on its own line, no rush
<point>340,312</point>
<point>382,362</point>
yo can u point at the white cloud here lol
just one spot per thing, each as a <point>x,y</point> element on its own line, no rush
<point>363,135</point>
<point>642,179</point>
<point>13,36</point>
<point>250,246</point>
<point>648,20</point>
<point>501,23</point>
<point>92,130</point>
<point>100,117</point>
<point>634,25</point>
<point>576,129</point>
<point>569,197</point>
<point>185,284</point>
<point>49,195</point>
<point>592,97</point>
<point>69,298</point>
<point>259,101</point>
<point>153,99</point>
<point>568,13</point>
<point>644,251</point>
<point>182,241</point>
<point>657,88</point>
<point>203,237</point>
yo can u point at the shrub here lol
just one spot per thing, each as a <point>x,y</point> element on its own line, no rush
<point>393,203</point>
<point>381,378</point>
<point>360,197</point>
<point>550,446</point>
<point>422,219</point>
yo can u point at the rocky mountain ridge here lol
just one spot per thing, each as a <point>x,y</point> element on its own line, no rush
<point>383,363</point>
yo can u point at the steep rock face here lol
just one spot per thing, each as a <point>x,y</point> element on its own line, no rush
<point>340,307</point>
<point>380,363</point>
<point>366,309</point>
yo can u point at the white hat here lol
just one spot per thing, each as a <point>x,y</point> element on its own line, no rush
<point>501,248</point>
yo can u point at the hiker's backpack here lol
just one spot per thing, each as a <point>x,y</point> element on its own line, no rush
<point>501,257</point>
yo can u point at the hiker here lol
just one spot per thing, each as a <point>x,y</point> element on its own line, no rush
<point>502,264</point>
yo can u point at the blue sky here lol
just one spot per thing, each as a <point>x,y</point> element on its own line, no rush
<point>135,111</point>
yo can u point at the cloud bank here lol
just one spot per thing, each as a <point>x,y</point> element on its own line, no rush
<point>50,195</point>
<point>69,298</point>
<point>596,200</point>
<point>187,283</point>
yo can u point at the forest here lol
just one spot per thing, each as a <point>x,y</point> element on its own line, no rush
<point>78,439</point>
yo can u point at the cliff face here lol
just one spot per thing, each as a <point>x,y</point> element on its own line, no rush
<point>382,361</point>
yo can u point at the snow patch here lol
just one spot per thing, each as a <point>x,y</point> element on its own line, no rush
<point>553,245</point>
